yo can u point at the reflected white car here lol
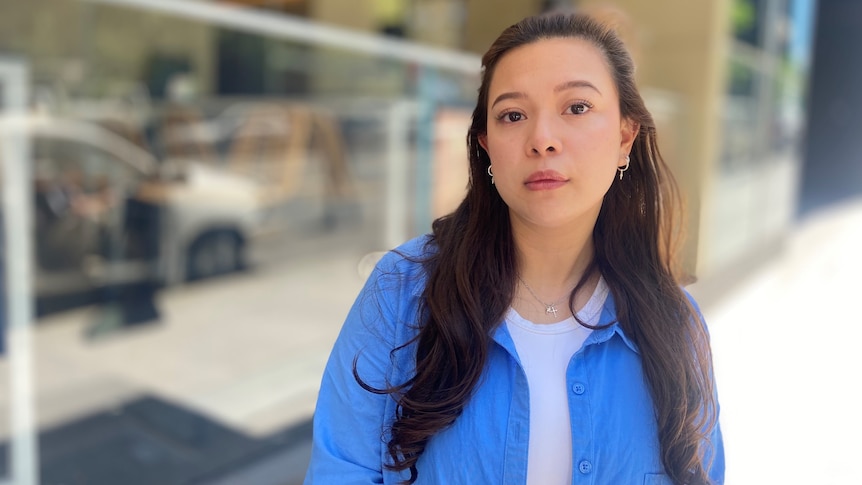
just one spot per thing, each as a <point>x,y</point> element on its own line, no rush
<point>105,215</point>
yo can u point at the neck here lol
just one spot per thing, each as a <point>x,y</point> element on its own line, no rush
<point>552,261</point>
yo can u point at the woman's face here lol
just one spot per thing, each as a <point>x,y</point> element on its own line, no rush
<point>555,136</point>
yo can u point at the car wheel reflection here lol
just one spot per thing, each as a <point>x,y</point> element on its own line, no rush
<point>215,253</point>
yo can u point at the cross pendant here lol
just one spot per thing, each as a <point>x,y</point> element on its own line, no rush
<point>551,309</point>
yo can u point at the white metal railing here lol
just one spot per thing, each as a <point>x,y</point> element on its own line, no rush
<point>16,209</point>
<point>295,28</point>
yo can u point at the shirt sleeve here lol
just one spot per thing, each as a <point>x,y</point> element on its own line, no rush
<point>348,444</point>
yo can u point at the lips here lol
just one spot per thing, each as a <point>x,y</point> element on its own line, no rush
<point>545,180</point>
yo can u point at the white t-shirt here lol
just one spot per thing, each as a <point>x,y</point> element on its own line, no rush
<point>545,351</point>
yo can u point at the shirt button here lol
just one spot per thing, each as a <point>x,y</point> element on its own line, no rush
<point>585,467</point>
<point>578,388</point>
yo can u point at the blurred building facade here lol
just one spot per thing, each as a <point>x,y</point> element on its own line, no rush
<point>268,145</point>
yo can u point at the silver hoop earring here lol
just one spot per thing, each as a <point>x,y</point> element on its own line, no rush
<point>623,169</point>
<point>491,174</point>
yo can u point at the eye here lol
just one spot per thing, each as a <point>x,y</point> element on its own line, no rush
<point>579,108</point>
<point>511,117</point>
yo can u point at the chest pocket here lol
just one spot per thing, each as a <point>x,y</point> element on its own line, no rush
<point>657,479</point>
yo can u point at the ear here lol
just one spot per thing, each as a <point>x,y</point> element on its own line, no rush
<point>628,132</point>
<point>483,141</point>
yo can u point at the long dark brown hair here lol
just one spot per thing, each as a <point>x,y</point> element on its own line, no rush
<point>472,270</point>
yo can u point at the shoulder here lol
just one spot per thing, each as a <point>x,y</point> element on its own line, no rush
<point>387,310</point>
<point>691,299</point>
<point>406,262</point>
<point>398,277</point>
<point>694,307</point>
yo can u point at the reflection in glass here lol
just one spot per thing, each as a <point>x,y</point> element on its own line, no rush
<point>204,198</point>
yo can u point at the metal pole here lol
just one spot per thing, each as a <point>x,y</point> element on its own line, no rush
<point>17,227</point>
<point>424,178</point>
<point>399,117</point>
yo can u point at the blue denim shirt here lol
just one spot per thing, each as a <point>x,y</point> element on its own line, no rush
<point>613,425</point>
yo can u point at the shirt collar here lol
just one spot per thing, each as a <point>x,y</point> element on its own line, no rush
<point>608,317</point>
<point>504,339</point>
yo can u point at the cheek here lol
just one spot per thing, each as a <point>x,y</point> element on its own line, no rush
<point>598,142</point>
<point>601,131</point>
<point>502,151</point>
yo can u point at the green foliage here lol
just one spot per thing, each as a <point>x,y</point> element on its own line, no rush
<point>742,15</point>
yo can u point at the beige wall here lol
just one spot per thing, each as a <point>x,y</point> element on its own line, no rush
<point>438,23</point>
<point>681,49</point>
<point>353,14</point>
<point>485,19</point>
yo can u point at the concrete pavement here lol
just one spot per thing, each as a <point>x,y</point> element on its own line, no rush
<point>244,351</point>
<point>785,343</point>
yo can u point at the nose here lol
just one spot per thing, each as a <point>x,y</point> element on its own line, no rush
<point>543,138</point>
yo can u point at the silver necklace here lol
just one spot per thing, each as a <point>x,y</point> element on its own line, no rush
<point>549,307</point>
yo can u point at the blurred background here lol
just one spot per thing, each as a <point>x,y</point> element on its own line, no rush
<point>194,190</point>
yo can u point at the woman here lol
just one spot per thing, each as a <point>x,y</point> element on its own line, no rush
<point>539,334</point>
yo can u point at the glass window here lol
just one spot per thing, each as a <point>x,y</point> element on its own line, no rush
<point>203,235</point>
<point>766,76</point>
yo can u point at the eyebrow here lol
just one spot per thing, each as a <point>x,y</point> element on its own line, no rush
<point>511,95</point>
<point>560,87</point>
<point>576,84</point>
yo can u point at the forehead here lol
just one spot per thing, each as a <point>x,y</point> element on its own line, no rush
<point>543,64</point>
